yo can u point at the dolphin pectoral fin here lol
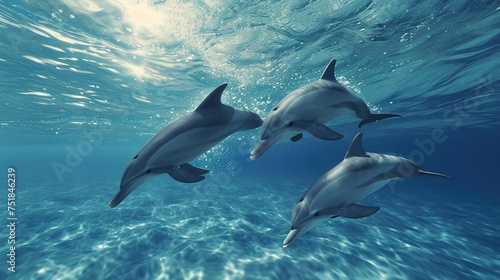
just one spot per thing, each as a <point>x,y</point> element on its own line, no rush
<point>187,174</point>
<point>319,130</point>
<point>323,132</point>
<point>182,176</point>
<point>421,172</point>
<point>376,117</point>
<point>194,169</point>
<point>329,212</point>
<point>356,211</point>
<point>297,137</point>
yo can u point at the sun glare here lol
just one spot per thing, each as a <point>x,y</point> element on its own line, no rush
<point>138,71</point>
<point>142,16</point>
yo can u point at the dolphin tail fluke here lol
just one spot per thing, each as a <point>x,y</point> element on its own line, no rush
<point>186,173</point>
<point>421,172</point>
<point>376,117</point>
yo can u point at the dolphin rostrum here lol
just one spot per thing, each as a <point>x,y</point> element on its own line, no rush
<point>309,108</point>
<point>170,150</point>
<point>337,193</point>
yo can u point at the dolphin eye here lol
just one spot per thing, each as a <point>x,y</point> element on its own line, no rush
<point>290,124</point>
<point>275,108</point>
<point>316,214</point>
<point>148,171</point>
<point>135,156</point>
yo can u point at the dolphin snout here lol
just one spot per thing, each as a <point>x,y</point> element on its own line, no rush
<point>252,120</point>
<point>129,185</point>
<point>125,190</point>
<point>119,197</point>
<point>259,149</point>
<point>291,237</point>
<point>258,121</point>
<point>116,199</point>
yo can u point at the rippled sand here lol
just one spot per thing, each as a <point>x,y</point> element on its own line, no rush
<point>168,230</point>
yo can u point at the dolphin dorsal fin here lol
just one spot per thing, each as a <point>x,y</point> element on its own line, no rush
<point>213,99</point>
<point>356,148</point>
<point>329,73</point>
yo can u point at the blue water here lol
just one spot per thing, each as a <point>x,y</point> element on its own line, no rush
<point>86,83</point>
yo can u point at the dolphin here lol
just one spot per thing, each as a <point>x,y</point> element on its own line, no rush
<point>183,140</point>
<point>309,108</point>
<point>336,194</point>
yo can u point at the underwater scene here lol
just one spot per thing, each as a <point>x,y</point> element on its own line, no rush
<point>204,139</point>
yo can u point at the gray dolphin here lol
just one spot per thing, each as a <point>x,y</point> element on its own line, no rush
<point>337,192</point>
<point>170,150</point>
<point>309,108</point>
